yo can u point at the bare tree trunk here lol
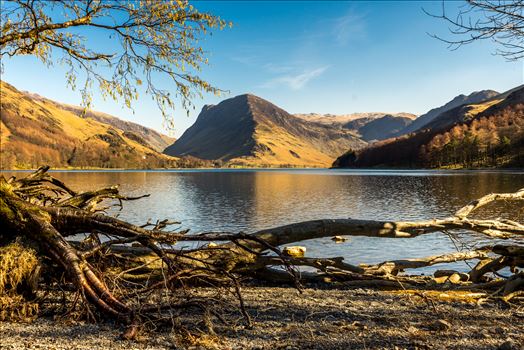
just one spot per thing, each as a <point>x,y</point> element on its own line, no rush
<point>45,212</point>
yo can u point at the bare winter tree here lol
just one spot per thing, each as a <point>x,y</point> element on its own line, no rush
<point>135,41</point>
<point>501,21</point>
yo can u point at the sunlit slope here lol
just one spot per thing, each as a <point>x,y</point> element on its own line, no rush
<point>39,131</point>
<point>249,131</point>
<point>489,133</point>
<point>153,138</point>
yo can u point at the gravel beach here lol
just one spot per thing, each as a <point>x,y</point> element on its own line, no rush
<point>316,319</point>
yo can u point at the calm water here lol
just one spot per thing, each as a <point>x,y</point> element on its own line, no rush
<point>249,200</point>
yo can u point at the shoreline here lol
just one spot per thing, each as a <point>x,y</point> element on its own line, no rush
<point>233,169</point>
<point>316,319</point>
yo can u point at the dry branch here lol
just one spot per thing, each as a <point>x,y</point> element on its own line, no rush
<point>122,261</point>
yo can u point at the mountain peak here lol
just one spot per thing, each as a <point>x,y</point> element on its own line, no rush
<point>462,99</point>
<point>249,130</point>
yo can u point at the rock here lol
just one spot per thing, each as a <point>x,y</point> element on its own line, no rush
<point>499,330</point>
<point>359,325</point>
<point>295,251</point>
<point>485,335</point>
<point>454,278</point>
<point>441,325</point>
<point>212,245</point>
<point>441,280</point>
<point>338,239</point>
<point>413,330</point>
<point>444,273</point>
<point>508,345</point>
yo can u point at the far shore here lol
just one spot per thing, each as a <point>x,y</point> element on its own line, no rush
<point>376,169</point>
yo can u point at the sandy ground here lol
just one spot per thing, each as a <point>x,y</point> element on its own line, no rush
<point>316,319</point>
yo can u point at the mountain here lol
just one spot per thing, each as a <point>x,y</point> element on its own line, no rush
<point>248,130</point>
<point>341,119</point>
<point>485,134</point>
<point>369,126</point>
<point>153,138</point>
<point>425,119</point>
<point>381,128</point>
<point>35,131</point>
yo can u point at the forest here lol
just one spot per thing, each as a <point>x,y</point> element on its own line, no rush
<point>493,138</point>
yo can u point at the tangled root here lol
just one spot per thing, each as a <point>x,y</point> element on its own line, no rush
<point>19,269</point>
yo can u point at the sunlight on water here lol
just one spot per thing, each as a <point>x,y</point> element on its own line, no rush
<point>248,200</point>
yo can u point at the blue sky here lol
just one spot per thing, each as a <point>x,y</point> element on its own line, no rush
<point>316,56</point>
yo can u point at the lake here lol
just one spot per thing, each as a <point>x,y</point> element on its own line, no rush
<point>249,200</point>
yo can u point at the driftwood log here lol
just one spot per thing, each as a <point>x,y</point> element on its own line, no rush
<point>116,264</point>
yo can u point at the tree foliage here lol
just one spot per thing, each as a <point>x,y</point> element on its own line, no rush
<point>493,138</point>
<point>137,42</point>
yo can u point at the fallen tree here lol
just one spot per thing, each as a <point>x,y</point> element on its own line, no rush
<point>113,267</point>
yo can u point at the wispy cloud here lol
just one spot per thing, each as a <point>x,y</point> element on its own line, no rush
<point>295,81</point>
<point>348,27</point>
<point>278,68</point>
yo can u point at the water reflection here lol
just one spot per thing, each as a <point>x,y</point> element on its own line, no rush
<point>251,200</point>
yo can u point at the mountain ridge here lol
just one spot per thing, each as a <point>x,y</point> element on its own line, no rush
<point>154,138</point>
<point>426,118</point>
<point>490,133</point>
<point>248,130</point>
<point>36,131</point>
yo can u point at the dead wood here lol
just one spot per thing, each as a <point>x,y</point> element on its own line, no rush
<point>119,264</point>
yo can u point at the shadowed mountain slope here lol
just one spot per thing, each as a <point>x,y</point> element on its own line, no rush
<point>486,134</point>
<point>369,126</point>
<point>384,127</point>
<point>425,119</point>
<point>248,130</point>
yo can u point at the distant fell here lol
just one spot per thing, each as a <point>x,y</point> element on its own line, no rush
<point>248,130</point>
<point>425,119</point>
<point>484,134</point>
<point>369,126</point>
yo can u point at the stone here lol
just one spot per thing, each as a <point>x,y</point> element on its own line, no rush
<point>454,278</point>
<point>508,345</point>
<point>294,251</point>
<point>443,273</point>
<point>413,330</point>
<point>441,325</point>
<point>338,239</point>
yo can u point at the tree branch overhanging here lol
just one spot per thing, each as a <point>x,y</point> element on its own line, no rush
<point>500,21</point>
<point>148,39</point>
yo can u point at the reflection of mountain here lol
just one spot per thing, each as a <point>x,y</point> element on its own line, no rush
<point>286,197</point>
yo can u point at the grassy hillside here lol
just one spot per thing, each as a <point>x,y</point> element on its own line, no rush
<point>37,131</point>
<point>488,134</point>
<point>249,131</point>
<point>152,138</point>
